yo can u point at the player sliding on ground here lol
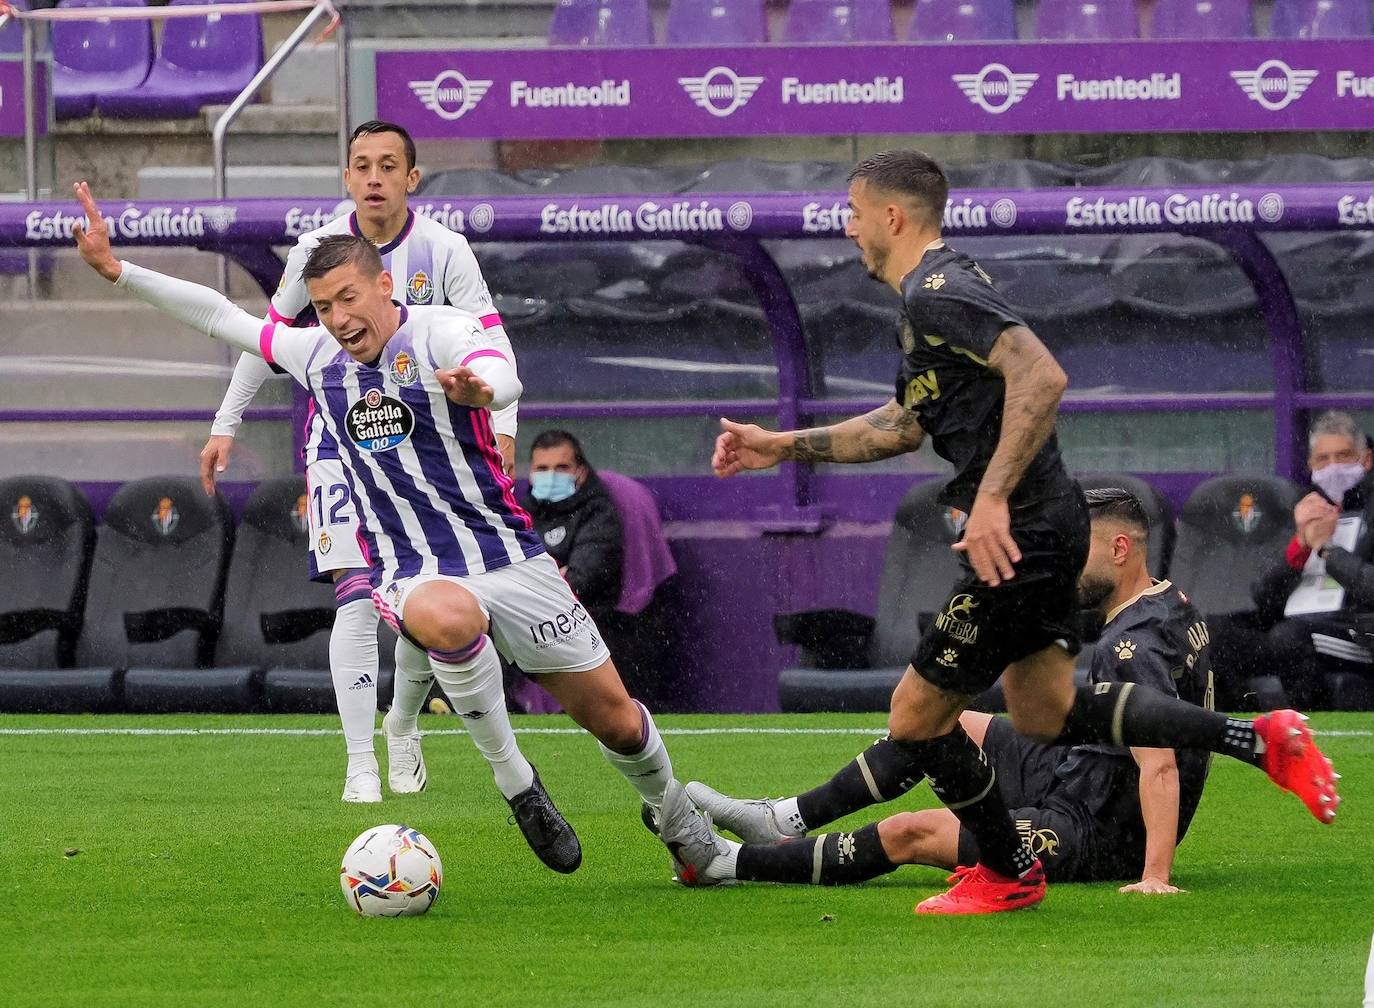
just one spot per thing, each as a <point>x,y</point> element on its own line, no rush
<point>1090,813</point>
<point>977,380</point>
<point>458,565</point>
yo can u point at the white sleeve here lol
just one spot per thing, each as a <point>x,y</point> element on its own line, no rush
<point>249,374</point>
<point>466,288</point>
<point>291,297</point>
<point>464,343</point>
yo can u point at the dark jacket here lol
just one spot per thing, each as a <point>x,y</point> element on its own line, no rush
<point>1352,570</point>
<point>584,534</point>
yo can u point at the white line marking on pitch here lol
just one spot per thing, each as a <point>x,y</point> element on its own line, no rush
<point>334,732</point>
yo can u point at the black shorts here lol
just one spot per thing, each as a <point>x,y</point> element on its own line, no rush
<point>979,630</point>
<point>1072,843</point>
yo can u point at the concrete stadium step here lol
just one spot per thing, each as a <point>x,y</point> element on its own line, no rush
<point>307,77</point>
<point>196,182</point>
<point>466,23</point>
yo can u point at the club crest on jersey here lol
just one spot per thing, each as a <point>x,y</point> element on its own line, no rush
<point>300,514</point>
<point>421,288</point>
<point>1246,515</point>
<point>378,423</point>
<point>24,515</point>
<point>165,516</point>
<point>325,544</point>
<point>403,370</point>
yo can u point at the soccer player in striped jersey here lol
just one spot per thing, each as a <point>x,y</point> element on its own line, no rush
<point>405,392</point>
<point>436,266</point>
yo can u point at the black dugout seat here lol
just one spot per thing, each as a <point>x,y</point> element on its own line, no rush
<point>46,536</point>
<point>157,583</point>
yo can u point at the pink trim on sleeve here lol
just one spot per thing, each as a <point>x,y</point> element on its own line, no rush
<point>490,321</point>
<point>482,353</point>
<point>265,342</point>
<point>275,316</point>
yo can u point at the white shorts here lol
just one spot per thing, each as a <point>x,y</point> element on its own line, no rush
<point>536,621</point>
<point>334,544</point>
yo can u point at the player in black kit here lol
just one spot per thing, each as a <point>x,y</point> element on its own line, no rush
<point>977,380</point>
<point>1090,813</point>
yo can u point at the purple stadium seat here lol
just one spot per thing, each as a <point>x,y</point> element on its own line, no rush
<point>601,22</point>
<point>98,56</point>
<point>716,22</point>
<point>1317,19</point>
<point>12,35</point>
<point>963,21</point>
<point>838,21</point>
<point>200,61</point>
<point>1202,19</point>
<point>1075,20</point>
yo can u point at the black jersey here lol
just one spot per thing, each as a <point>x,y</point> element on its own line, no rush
<point>1157,640</point>
<point>951,317</point>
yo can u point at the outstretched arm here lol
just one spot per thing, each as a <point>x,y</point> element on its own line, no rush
<point>881,433</point>
<point>1159,795</point>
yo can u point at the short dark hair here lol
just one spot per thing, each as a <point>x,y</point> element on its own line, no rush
<point>910,173</point>
<point>381,126</point>
<point>1118,505</point>
<point>554,438</point>
<point>337,250</point>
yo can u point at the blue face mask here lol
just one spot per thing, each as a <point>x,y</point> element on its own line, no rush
<point>551,486</point>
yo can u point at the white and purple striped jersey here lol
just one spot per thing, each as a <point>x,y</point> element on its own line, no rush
<point>430,265</point>
<point>426,473</point>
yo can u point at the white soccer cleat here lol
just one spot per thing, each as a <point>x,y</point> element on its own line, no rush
<point>405,763</point>
<point>753,820</point>
<point>688,835</point>
<point>364,788</point>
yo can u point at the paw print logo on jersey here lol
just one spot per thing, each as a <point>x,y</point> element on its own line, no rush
<point>24,515</point>
<point>403,369</point>
<point>1125,649</point>
<point>165,516</point>
<point>949,658</point>
<point>934,282</point>
<point>420,290</point>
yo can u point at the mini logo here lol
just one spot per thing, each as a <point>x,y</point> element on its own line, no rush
<point>1270,207</point>
<point>720,91</point>
<point>740,215</point>
<point>1004,213</point>
<point>403,369</point>
<point>1125,649</point>
<point>421,288</point>
<point>555,536</point>
<point>955,520</point>
<point>1246,515</point>
<point>364,682</point>
<point>220,218</point>
<point>961,608</point>
<point>300,514</point>
<point>994,88</point>
<point>24,515</point>
<point>165,516</point>
<point>934,282</point>
<point>481,217</point>
<point>450,95</point>
<point>1274,84</point>
<point>325,543</point>
<point>949,658</point>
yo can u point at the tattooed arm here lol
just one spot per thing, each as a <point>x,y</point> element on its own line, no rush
<point>881,433</point>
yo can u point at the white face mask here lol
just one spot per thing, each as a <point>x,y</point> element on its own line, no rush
<point>1335,479</point>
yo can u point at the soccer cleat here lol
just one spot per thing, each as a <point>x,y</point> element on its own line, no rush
<point>1293,762</point>
<point>753,820</point>
<point>364,788</point>
<point>980,890</point>
<point>545,830</point>
<point>688,835</point>
<point>648,815</point>
<point>405,763</point>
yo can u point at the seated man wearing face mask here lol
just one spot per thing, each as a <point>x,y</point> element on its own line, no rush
<point>1307,602</point>
<point>574,515</point>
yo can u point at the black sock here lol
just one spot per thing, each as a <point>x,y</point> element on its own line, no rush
<point>1128,714</point>
<point>842,859</point>
<point>885,770</point>
<point>962,778</point>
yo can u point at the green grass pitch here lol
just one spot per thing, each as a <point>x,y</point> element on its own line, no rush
<point>207,874</point>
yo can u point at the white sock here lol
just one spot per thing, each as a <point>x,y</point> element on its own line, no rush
<point>475,689</point>
<point>413,680</point>
<point>353,667</point>
<point>788,818</point>
<point>649,769</point>
<point>723,867</point>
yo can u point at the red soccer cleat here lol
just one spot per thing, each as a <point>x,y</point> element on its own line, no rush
<point>1293,762</point>
<point>980,890</point>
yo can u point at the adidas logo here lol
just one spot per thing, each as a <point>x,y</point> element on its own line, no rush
<point>471,715</point>
<point>364,682</point>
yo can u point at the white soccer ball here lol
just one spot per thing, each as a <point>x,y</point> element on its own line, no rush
<point>391,871</point>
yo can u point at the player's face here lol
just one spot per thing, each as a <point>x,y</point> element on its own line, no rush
<point>356,309</point>
<point>867,227</point>
<point>1098,580</point>
<point>377,177</point>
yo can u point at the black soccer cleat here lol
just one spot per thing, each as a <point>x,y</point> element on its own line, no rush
<point>546,831</point>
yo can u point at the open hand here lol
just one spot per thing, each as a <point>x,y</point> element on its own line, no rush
<point>1152,887</point>
<point>214,458</point>
<point>744,446</point>
<point>463,387</point>
<point>93,241</point>
<point>987,541</point>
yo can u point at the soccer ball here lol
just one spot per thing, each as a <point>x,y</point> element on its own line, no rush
<point>391,871</point>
